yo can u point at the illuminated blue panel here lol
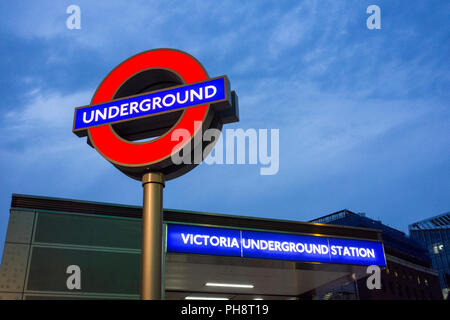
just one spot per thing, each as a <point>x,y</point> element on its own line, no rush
<point>151,103</point>
<point>203,240</point>
<point>271,245</point>
<point>280,246</point>
<point>350,251</point>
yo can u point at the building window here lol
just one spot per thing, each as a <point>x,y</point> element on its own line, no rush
<point>438,248</point>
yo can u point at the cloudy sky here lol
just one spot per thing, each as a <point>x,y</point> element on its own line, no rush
<point>364,115</point>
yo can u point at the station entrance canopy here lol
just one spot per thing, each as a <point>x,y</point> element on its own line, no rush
<point>278,259</point>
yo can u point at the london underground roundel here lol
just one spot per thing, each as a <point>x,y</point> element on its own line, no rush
<point>153,106</point>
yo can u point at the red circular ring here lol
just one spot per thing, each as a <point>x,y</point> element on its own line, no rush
<point>125,153</point>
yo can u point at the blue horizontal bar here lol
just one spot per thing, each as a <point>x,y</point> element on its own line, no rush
<point>271,245</point>
<point>149,104</point>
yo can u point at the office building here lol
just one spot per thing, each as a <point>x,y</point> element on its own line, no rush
<point>434,233</point>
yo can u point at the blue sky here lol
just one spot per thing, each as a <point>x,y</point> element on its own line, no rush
<point>364,115</point>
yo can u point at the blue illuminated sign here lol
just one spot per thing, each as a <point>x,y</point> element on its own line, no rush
<point>148,104</point>
<point>271,245</point>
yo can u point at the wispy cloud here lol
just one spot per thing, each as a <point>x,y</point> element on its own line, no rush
<point>37,137</point>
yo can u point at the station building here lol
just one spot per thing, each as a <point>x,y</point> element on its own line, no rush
<point>46,236</point>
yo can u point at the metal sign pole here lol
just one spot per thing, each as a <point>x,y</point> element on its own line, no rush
<point>137,160</point>
<point>151,258</point>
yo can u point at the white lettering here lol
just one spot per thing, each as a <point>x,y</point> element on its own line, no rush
<point>164,100</point>
<point>84,117</point>
<point>103,115</point>
<point>146,103</point>
<point>186,237</point>
<point>198,95</point>
<point>124,109</point>
<point>207,95</point>
<point>110,112</point>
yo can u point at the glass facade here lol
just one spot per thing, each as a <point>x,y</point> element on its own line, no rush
<point>41,245</point>
<point>434,233</point>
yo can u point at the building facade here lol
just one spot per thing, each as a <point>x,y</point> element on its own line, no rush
<point>48,238</point>
<point>409,274</point>
<point>71,249</point>
<point>434,234</point>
